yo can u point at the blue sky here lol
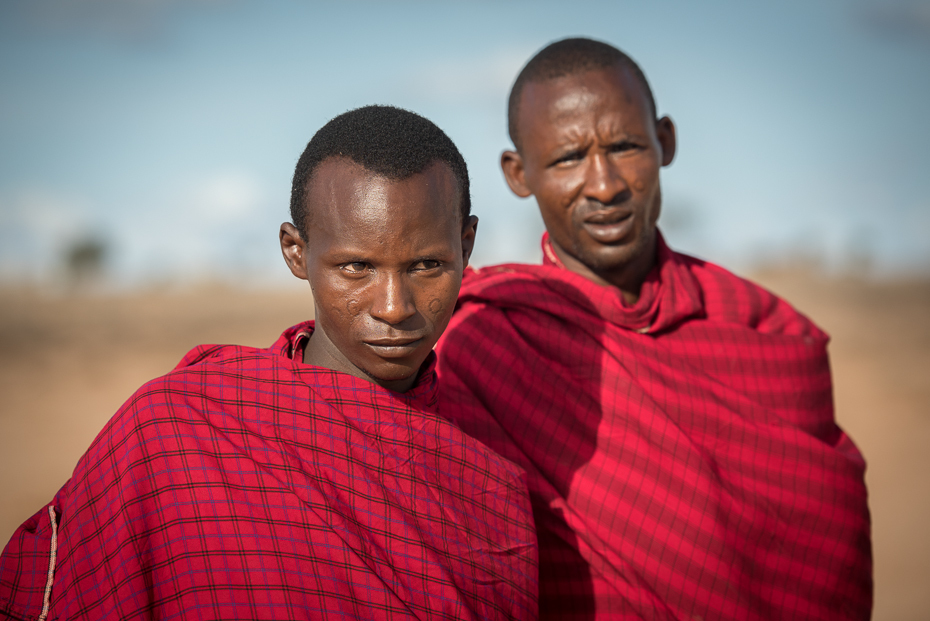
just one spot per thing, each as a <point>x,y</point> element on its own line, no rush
<point>170,129</point>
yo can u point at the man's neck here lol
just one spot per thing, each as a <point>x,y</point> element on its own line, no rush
<point>320,351</point>
<point>628,278</point>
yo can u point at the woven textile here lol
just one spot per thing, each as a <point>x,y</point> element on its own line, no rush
<point>245,485</point>
<point>682,454</point>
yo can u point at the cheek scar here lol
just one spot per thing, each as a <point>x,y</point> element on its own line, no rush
<point>435,306</point>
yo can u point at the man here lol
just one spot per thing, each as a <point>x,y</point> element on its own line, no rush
<point>676,421</point>
<point>312,479</point>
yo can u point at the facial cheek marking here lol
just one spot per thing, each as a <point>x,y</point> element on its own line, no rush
<point>353,307</point>
<point>645,175</point>
<point>436,306</point>
<point>639,185</point>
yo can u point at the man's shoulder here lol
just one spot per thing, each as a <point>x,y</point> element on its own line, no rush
<point>207,367</point>
<point>231,365</point>
<point>540,288</point>
<point>207,358</point>
<point>208,379</point>
<point>231,356</point>
<point>728,297</point>
<point>718,295</point>
<point>505,275</point>
<point>715,278</point>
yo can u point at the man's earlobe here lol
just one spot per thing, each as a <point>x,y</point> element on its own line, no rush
<point>293,248</point>
<point>514,173</point>
<point>665,132</point>
<point>468,239</point>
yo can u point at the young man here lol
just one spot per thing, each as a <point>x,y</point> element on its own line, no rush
<point>676,421</point>
<point>312,479</point>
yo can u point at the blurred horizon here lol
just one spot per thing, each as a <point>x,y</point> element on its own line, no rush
<point>145,142</point>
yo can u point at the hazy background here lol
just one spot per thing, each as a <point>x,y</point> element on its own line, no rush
<point>156,138</point>
<point>147,146</point>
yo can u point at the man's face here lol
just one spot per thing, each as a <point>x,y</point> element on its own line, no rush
<point>591,153</point>
<point>384,259</point>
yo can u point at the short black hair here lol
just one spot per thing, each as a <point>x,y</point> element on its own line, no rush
<point>569,57</point>
<point>388,141</point>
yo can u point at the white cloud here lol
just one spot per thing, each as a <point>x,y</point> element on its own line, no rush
<point>230,196</point>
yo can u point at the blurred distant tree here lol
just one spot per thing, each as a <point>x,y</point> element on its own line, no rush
<point>84,260</point>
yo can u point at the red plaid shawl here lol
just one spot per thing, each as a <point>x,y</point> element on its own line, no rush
<point>245,485</point>
<point>683,458</point>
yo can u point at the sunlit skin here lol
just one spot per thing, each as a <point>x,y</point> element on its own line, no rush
<point>384,260</point>
<point>590,153</point>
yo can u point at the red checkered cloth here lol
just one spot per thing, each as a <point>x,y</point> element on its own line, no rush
<point>247,485</point>
<point>682,454</point>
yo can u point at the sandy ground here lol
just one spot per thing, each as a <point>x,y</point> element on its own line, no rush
<point>67,363</point>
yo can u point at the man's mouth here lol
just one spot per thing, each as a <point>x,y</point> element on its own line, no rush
<point>609,225</point>
<point>394,347</point>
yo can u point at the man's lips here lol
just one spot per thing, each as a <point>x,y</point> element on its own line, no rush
<point>609,225</point>
<point>394,347</point>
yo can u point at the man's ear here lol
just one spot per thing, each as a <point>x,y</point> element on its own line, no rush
<point>468,239</point>
<point>665,132</point>
<point>514,173</point>
<point>293,248</point>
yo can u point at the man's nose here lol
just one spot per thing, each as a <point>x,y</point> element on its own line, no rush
<point>393,301</point>
<point>604,181</point>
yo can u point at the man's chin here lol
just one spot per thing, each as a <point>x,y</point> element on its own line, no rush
<point>608,258</point>
<point>392,372</point>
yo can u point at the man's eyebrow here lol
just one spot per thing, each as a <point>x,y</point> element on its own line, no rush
<point>346,255</point>
<point>430,256</point>
<point>570,143</point>
<point>617,132</point>
<point>561,154</point>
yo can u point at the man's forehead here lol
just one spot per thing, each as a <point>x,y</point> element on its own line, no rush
<point>337,170</point>
<point>553,98</point>
<point>339,182</point>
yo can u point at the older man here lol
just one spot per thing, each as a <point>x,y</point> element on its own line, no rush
<point>312,479</point>
<point>676,421</point>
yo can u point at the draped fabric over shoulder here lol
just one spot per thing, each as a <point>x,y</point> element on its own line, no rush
<point>682,453</point>
<point>247,485</point>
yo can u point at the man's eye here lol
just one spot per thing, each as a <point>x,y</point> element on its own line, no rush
<point>355,267</point>
<point>623,146</point>
<point>569,158</point>
<point>426,264</point>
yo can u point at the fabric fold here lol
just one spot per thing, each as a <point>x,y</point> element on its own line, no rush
<point>246,484</point>
<point>692,469</point>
